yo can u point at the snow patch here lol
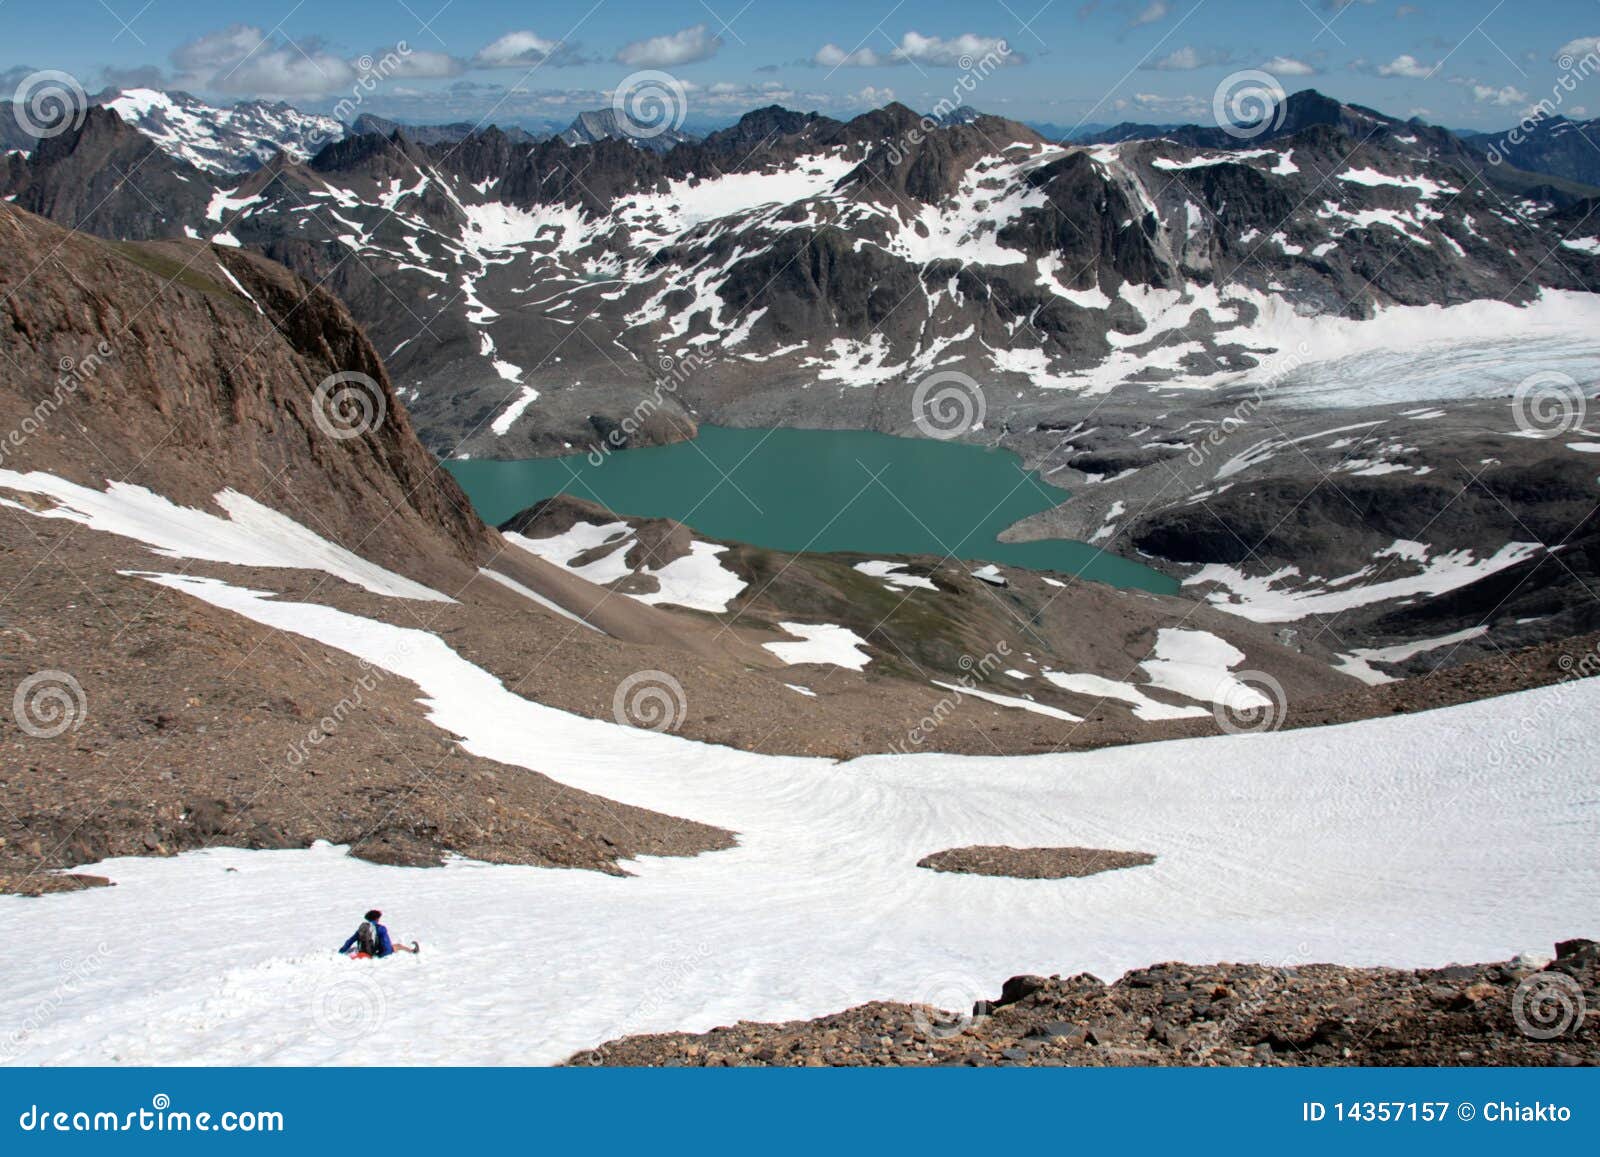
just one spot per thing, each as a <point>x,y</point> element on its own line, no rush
<point>251,534</point>
<point>822,643</point>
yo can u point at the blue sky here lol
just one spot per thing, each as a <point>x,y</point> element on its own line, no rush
<point>1475,63</point>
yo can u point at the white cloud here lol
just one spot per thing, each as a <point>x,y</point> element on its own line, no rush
<point>1499,97</point>
<point>1289,66</point>
<point>526,49</point>
<point>422,65</point>
<point>1153,13</point>
<point>243,60</point>
<point>958,52</point>
<point>1407,66</point>
<point>217,50</point>
<point>1153,104</point>
<point>832,56</point>
<point>1187,59</point>
<point>870,97</point>
<point>963,51</point>
<point>726,94</point>
<point>1578,49</point>
<point>684,46</point>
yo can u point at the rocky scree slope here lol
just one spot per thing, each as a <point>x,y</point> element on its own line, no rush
<point>1182,1014</point>
<point>189,369</point>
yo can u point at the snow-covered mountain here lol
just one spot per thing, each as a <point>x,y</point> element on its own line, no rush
<point>795,267</point>
<point>223,141</point>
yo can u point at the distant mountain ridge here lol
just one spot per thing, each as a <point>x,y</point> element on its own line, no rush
<point>430,134</point>
<point>604,124</point>
<point>245,136</point>
<point>1555,145</point>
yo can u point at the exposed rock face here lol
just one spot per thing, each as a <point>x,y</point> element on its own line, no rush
<point>110,180</point>
<point>1181,1014</point>
<point>1281,528</point>
<point>215,356</point>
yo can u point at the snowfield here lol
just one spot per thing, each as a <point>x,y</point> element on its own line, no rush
<point>1460,834</point>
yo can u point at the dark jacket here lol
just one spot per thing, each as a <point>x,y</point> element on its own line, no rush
<point>385,946</point>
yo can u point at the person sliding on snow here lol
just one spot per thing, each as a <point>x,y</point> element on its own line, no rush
<point>372,940</point>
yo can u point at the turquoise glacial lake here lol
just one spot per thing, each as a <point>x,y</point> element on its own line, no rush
<point>816,490</point>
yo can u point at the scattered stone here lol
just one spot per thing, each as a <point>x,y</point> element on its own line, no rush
<point>1033,863</point>
<point>1317,1014</point>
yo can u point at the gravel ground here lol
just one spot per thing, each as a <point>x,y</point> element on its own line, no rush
<point>1033,863</point>
<point>1182,1014</point>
